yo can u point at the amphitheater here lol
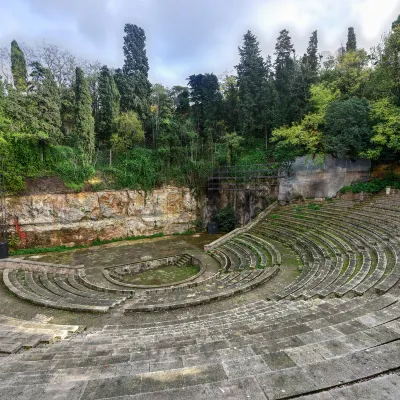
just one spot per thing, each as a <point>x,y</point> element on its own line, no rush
<point>303,303</point>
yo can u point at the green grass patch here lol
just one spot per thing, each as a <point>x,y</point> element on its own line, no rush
<point>274,216</point>
<point>345,265</point>
<point>39,250</point>
<point>99,242</point>
<point>162,275</point>
<point>185,233</point>
<point>313,206</point>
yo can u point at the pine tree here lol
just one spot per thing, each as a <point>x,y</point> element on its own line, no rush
<point>47,103</point>
<point>351,44</point>
<point>109,99</point>
<point>251,82</point>
<point>18,67</point>
<point>136,86</point>
<point>84,121</point>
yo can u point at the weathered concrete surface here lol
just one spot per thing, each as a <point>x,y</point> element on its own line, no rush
<point>79,218</point>
<point>311,179</point>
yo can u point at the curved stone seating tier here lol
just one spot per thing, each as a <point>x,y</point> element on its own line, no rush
<point>316,265</point>
<point>236,253</point>
<point>45,290</point>
<point>334,273</point>
<point>323,281</point>
<point>17,335</point>
<point>348,252</point>
<point>259,256</point>
<point>263,350</point>
<point>249,253</point>
<point>222,258</point>
<point>389,270</point>
<point>224,286</point>
<point>269,248</point>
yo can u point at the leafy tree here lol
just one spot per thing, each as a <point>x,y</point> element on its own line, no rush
<point>251,82</point>
<point>347,131</point>
<point>18,67</point>
<point>128,132</point>
<point>84,121</point>
<point>351,44</point>
<point>109,99</point>
<point>161,110</point>
<point>385,118</point>
<point>136,86</point>
<point>388,67</point>
<point>230,102</point>
<point>305,137</point>
<point>234,142</point>
<point>349,73</point>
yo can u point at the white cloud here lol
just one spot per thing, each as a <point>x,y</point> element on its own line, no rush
<point>189,36</point>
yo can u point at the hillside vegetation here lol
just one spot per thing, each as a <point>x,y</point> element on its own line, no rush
<point>84,122</point>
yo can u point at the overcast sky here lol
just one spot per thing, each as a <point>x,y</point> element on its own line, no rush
<point>190,36</point>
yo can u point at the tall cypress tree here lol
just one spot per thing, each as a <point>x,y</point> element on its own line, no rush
<point>207,101</point>
<point>109,99</point>
<point>251,82</point>
<point>285,76</point>
<point>308,75</point>
<point>351,44</point>
<point>311,59</point>
<point>18,67</point>
<point>136,86</point>
<point>84,121</point>
<point>47,102</point>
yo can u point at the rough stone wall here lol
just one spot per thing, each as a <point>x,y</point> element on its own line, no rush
<point>79,218</point>
<point>312,180</point>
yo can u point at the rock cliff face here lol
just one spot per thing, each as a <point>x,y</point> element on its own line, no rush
<point>79,218</point>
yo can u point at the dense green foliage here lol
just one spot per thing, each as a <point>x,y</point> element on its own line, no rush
<point>347,131</point>
<point>90,123</point>
<point>225,218</point>
<point>374,185</point>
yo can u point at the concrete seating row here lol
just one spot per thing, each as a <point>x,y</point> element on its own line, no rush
<point>268,350</point>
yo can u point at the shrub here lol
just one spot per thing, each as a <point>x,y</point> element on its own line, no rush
<point>374,185</point>
<point>225,218</point>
